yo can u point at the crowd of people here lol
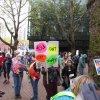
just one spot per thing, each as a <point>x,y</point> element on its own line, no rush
<point>69,74</point>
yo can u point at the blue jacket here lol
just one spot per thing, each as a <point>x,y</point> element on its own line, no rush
<point>64,97</point>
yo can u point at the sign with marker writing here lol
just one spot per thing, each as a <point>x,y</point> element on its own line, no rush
<point>47,52</point>
<point>52,49</point>
<point>97,65</point>
<point>51,60</point>
<point>41,47</point>
<point>52,54</point>
<point>40,51</point>
<point>41,57</point>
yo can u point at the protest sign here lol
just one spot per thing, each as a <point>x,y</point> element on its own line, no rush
<point>47,52</point>
<point>52,54</point>
<point>97,65</point>
<point>51,60</point>
<point>40,49</point>
<point>41,57</point>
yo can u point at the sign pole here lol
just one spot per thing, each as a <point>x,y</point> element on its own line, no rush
<point>47,77</point>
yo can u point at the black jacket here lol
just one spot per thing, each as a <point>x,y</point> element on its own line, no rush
<point>52,74</point>
<point>67,73</point>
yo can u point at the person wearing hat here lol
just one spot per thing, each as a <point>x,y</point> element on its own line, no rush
<point>18,67</point>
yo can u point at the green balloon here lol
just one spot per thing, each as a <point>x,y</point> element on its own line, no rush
<point>51,60</point>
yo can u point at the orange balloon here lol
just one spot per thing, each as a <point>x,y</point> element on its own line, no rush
<point>41,57</point>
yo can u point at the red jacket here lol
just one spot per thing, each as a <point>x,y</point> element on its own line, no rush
<point>33,73</point>
<point>1,60</point>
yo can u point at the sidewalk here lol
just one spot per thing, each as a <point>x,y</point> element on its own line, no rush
<point>26,91</point>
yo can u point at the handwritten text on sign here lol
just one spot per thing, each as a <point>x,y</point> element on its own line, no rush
<point>41,57</point>
<point>52,49</point>
<point>51,60</point>
<point>41,48</point>
<point>97,65</point>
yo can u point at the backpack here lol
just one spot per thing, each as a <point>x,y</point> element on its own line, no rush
<point>64,93</point>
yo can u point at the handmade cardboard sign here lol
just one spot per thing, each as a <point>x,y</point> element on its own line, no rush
<point>52,54</point>
<point>47,53</point>
<point>97,65</point>
<point>41,47</point>
<point>51,60</point>
<point>52,49</point>
<point>41,57</point>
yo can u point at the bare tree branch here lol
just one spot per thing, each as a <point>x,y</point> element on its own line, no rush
<point>7,26</point>
<point>19,12</point>
<point>7,3</point>
<point>5,9</point>
<point>14,22</point>
<point>5,42</point>
<point>23,20</point>
<point>16,5</point>
<point>7,14</point>
<point>24,4</point>
<point>13,11</point>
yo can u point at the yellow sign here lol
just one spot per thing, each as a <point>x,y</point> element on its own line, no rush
<point>52,49</point>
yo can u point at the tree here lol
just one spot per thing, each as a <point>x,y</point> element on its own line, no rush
<point>94,26</point>
<point>62,17</point>
<point>13,10</point>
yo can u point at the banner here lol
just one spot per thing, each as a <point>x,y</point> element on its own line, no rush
<point>97,65</point>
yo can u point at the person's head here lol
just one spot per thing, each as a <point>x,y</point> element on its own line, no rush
<point>85,55</point>
<point>79,81</point>
<point>16,53</point>
<point>65,55</point>
<point>8,55</point>
<point>69,62</point>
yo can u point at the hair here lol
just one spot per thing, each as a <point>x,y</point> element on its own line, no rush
<point>70,60</point>
<point>79,81</point>
<point>64,53</point>
<point>66,64</point>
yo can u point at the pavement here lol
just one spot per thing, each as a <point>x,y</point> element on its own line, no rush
<point>26,90</point>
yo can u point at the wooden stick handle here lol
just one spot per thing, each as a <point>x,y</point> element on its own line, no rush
<point>47,77</point>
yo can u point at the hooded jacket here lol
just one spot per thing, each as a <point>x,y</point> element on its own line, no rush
<point>65,95</point>
<point>88,92</point>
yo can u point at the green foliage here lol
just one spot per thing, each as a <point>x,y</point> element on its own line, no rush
<point>52,16</point>
<point>95,45</point>
<point>95,29</point>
